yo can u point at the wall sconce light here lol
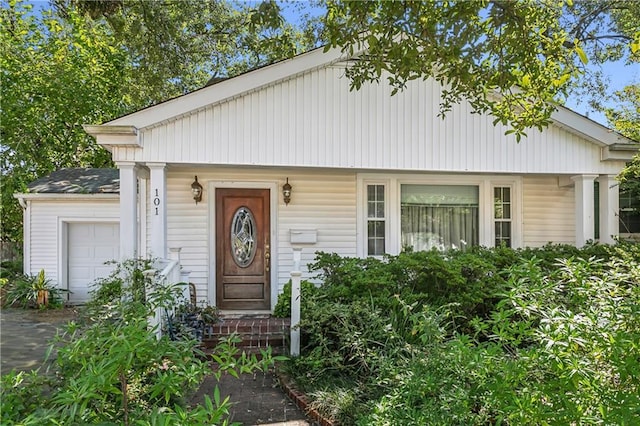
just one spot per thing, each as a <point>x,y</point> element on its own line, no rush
<point>196,190</point>
<point>286,192</point>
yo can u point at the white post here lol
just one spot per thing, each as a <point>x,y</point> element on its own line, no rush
<point>158,205</point>
<point>295,303</point>
<point>584,208</point>
<point>128,210</point>
<point>155,320</point>
<point>609,208</point>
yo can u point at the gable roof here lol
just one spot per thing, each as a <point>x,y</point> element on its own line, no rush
<point>125,130</point>
<point>78,181</point>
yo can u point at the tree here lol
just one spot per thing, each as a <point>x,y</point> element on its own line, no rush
<point>177,46</point>
<point>55,76</point>
<point>512,59</point>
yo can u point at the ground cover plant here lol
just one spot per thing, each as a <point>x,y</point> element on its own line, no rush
<point>32,291</point>
<point>486,336</point>
<point>112,369</point>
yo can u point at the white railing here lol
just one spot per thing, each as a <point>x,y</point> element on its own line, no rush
<point>165,272</point>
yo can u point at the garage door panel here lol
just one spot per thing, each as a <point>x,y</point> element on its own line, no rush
<point>90,246</point>
<point>105,253</point>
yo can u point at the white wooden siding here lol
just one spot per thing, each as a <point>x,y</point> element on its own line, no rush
<point>321,200</point>
<point>548,212</point>
<point>45,227</point>
<point>313,120</point>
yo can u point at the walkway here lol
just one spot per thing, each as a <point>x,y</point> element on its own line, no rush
<point>257,399</point>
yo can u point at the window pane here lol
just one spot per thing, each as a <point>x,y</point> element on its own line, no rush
<point>506,211</point>
<point>375,201</point>
<point>375,238</point>
<point>503,233</point>
<point>371,192</point>
<point>439,216</point>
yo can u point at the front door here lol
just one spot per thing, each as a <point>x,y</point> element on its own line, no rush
<point>243,249</point>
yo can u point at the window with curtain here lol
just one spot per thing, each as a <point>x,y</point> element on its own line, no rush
<point>439,216</point>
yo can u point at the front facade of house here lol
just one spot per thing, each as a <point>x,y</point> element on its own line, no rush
<point>370,173</point>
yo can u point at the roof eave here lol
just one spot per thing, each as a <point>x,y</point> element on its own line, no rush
<point>589,129</point>
<point>109,135</point>
<point>52,196</point>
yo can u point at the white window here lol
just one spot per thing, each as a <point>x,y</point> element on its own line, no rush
<point>424,212</point>
<point>376,224</point>
<point>439,216</point>
<point>502,215</point>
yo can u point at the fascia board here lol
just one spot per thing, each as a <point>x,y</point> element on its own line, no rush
<point>68,197</point>
<point>587,128</point>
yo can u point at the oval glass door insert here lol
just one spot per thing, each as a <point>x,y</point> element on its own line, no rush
<point>243,237</point>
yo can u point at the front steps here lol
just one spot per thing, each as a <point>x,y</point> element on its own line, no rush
<point>256,333</point>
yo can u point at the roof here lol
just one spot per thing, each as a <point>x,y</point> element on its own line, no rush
<point>78,181</point>
<point>125,130</point>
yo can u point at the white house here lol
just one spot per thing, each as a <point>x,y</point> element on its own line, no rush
<point>369,173</point>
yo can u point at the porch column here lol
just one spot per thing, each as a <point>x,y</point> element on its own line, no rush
<point>158,206</point>
<point>609,208</point>
<point>128,210</point>
<point>584,208</point>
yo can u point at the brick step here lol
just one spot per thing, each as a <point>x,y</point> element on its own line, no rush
<point>254,334</point>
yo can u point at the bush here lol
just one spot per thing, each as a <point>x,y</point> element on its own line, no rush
<point>548,336</point>
<point>115,371</point>
<point>34,292</point>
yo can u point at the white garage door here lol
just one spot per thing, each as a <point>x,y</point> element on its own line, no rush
<point>90,245</point>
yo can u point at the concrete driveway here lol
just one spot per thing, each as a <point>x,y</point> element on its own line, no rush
<point>25,335</point>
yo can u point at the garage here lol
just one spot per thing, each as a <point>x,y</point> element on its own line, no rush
<point>90,246</point>
<point>71,228</point>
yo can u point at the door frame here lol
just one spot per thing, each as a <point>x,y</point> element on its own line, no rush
<point>272,186</point>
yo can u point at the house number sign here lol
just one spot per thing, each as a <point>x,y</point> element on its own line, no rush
<point>156,201</point>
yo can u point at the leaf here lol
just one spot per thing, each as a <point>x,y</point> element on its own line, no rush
<point>582,55</point>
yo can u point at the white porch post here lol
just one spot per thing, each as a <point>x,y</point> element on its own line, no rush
<point>128,210</point>
<point>158,206</point>
<point>295,303</point>
<point>584,208</point>
<point>609,208</point>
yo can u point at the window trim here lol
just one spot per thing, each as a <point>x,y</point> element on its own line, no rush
<point>393,183</point>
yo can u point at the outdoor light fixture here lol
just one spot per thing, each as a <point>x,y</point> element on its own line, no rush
<point>286,192</point>
<point>196,190</point>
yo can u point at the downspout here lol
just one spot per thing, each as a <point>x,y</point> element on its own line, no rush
<point>26,233</point>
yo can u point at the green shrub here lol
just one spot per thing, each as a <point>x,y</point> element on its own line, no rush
<point>114,370</point>
<point>11,269</point>
<point>548,336</point>
<point>34,292</point>
<point>283,306</point>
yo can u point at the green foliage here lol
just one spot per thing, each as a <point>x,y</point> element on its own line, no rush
<point>554,339</point>
<point>56,76</point>
<point>127,280</point>
<point>34,291</point>
<point>283,306</point>
<point>11,269</point>
<point>528,53</point>
<point>114,370</point>
<point>473,48</point>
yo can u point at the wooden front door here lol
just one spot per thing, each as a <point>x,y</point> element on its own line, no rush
<point>243,254</point>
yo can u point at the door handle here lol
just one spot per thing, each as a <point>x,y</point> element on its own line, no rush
<point>267,257</point>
